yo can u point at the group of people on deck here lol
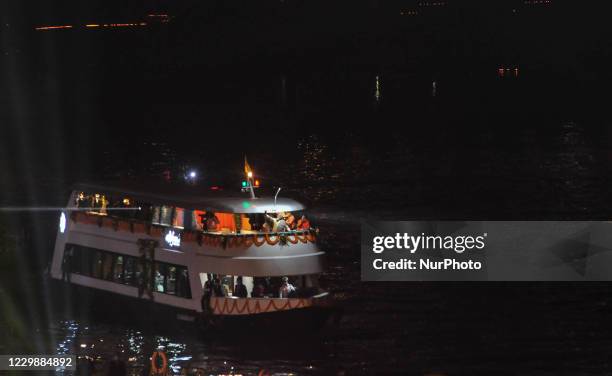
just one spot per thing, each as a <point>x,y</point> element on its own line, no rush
<point>262,288</point>
<point>265,287</point>
<point>277,222</point>
<point>285,221</point>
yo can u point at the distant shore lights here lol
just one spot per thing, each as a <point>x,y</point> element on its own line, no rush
<point>90,26</point>
<point>55,27</point>
<point>507,72</point>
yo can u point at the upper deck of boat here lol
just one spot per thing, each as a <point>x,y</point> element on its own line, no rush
<point>194,197</point>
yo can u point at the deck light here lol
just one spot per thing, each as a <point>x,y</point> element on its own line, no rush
<point>192,174</point>
<point>250,174</point>
<point>62,223</point>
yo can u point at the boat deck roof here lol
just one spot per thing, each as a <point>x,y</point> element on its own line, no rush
<point>193,197</point>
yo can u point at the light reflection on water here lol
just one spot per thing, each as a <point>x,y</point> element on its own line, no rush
<point>101,341</point>
<point>68,333</point>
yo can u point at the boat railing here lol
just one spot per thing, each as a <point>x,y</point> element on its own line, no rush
<point>219,239</point>
<point>249,306</point>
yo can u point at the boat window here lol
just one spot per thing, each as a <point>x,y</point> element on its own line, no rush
<point>83,261</point>
<point>107,272</point>
<point>198,218</point>
<point>118,269</point>
<point>226,223</point>
<point>98,263</point>
<point>216,222</point>
<point>245,224</point>
<point>128,273</point>
<point>163,215</point>
<point>139,270</point>
<point>183,287</point>
<point>169,278</point>
<point>179,214</point>
<point>160,277</point>
<point>166,215</point>
<point>188,220</point>
<point>155,215</point>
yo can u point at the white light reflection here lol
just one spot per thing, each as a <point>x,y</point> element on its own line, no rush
<point>175,352</point>
<point>70,328</point>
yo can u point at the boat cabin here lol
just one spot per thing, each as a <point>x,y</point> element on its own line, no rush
<point>171,246</point>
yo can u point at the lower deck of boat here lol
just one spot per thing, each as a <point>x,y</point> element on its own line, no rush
<point>105,306</point>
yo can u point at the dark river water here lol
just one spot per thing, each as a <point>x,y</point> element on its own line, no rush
<point>357,127</point>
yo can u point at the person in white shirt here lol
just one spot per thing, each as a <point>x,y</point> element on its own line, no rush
<point>278,224</point>
<point>286,288</point>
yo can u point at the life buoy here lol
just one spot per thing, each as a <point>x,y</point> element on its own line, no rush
<point>155,368</point>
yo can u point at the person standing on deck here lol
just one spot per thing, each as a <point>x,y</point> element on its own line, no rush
<point>286,288</point>
<point>208,291</point>
<point>278,224</point>
<point>303,223</point>
<point>240,289</point>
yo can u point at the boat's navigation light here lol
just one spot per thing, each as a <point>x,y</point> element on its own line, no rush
<point>192,174</point>
<point>248,185</point>
<point>250,174</point>
<point>62,223</point>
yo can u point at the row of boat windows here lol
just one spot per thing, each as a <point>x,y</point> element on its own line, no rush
<point>128,270</point>
<point>188,219</point>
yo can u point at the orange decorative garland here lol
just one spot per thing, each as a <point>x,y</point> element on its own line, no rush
<point>192,236</point>
<point>232,307</point>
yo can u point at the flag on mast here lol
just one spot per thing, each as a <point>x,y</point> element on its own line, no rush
<point>247,168</point>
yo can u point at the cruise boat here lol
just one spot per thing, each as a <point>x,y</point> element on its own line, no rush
<point>182,253</point>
